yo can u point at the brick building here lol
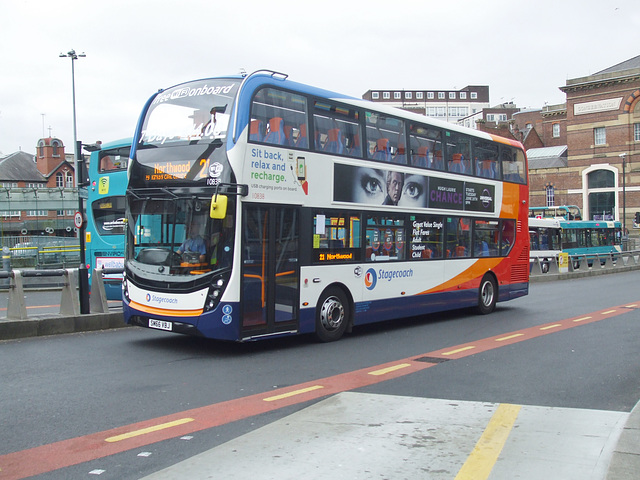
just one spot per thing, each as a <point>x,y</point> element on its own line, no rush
<point>600,126</point>
<point>45,176</point>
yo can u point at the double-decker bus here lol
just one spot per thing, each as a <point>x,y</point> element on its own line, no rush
<point>258,206</point>
<point>566,212</point>
<point>104,245</point>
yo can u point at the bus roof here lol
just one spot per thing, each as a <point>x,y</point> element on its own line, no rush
<point>544,222</point>
<point>589,224</point>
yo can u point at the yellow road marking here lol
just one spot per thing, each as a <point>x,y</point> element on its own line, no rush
<point>510,337</point>
<point>291,394</point>
<point>549,327</point>
<point>608,312</point>
<point>485,454</point>
<point>463,349</point>
<point>144,431</point>
<point>382,371</point>
<point>581,319</point>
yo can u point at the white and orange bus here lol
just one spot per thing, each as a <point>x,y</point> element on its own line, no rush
<point>307,211</point>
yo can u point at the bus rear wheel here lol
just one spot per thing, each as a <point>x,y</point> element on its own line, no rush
<point>332,315</point>
<point>487,295</point>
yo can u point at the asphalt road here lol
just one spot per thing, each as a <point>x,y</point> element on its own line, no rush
<point>72,386</point>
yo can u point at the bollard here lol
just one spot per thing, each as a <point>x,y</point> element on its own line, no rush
<point>69,301</point>
<point>98,298</point>
<point>16,306</point>
<point>608,261</point>
<point>553,266</point>
<point>6,265</point>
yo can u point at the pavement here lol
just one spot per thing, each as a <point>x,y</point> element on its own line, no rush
<point>353,436</point>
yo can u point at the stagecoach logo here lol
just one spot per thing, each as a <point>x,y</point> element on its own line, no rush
<point>215,169</point>
<point>156,299</point>
<point>370,279</point>
<point>357,271</point>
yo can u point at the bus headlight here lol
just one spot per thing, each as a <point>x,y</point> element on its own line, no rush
<point>125,289</point>
<point>215,292</point>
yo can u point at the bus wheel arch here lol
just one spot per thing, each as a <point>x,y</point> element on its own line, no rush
<point>333,313</point>
<point>487,294</point>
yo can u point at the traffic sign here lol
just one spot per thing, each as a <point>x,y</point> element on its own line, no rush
<point>78,219</point>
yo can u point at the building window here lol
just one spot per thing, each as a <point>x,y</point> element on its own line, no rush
<point>636,132</point>
<point>551,196</point>
<point>69,181</point>
<point>408,95</point>
<point>452,95</point>
<point>599,136</point>
<point>375,95</point>
<point>440,95</point>
<point>386,95</point>
<point>555,130</point>
<point>463,95</point>
<point>601,194</point>
<point>474,95</point>
<point>430,95</point>
<point>491,117</point>
<point>397,95</point>
<point>59,180</point>
<point>419,95</point>
<point>55,144</point>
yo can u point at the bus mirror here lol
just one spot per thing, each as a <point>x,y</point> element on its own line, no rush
<point>218,207</point>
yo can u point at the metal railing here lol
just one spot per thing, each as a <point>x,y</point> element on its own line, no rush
<point>586,264</point>
<point>69,298</point>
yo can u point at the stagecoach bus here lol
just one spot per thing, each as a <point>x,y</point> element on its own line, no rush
<point>259,207</point>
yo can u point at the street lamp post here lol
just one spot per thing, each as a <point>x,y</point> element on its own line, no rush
<point>83,274</point>
<point>624,193</point>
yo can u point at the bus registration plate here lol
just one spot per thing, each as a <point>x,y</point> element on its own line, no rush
<point>159,324</point>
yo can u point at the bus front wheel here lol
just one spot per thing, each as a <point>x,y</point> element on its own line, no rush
<point>487,295</point>
<point>332,315</point>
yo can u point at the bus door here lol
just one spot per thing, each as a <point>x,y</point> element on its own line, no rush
<point>270,269</point>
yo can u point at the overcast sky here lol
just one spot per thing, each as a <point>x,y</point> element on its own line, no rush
<point>524,50</point>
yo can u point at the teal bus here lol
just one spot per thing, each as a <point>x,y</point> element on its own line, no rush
<point>590,237</point>
<point>105,210</point>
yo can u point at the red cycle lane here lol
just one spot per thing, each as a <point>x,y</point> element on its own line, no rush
<point>77,450</point>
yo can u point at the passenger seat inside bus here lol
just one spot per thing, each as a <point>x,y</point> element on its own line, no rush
<point>486,168</point>
<point>302,141</point>
<point>356,149</point>
<point>420,160</point>
<point>334,142</point>
<point>255,131</point>
<point>382,151</point>
<point>400,156</point>
<point>456,164</point>
<point>276,132</point>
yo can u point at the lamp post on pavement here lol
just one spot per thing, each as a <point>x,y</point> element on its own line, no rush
<point>624,192</point>
<point>83,276</point>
